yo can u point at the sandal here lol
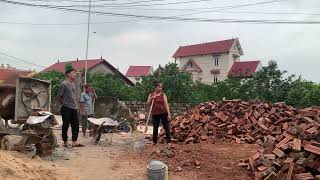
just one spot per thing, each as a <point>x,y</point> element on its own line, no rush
<point>66,145</point>
<point>78,145</point>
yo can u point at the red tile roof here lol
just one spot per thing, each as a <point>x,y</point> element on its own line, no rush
<point>9,76</point>
<point>91,63</point>
<point>243,69</point>
<point>137,71</point>
<point>205,48</point>
<point>77,65</point>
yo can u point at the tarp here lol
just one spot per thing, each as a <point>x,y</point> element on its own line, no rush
<point>37,119</point>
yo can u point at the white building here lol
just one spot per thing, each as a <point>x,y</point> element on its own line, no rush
<point>211,62</point>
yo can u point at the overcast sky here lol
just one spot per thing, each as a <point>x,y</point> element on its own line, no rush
<point>129,41</point>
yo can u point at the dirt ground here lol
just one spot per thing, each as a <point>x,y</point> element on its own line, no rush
<point>121,160</point>
<point>199,161</point>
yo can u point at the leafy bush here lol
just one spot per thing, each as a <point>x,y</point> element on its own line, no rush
<point>269,84</point>
<point>56,79</point>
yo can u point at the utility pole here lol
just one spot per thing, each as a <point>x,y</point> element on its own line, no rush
<point>88,31</point>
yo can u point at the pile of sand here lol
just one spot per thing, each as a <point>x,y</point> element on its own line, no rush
<point>16,166</point>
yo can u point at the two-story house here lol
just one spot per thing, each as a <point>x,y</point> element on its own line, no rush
<point>209,62</point>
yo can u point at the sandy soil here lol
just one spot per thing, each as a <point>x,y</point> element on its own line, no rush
<point>14,165</point>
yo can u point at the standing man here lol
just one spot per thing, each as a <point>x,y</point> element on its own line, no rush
<point>66,98</point>
<point>86,106</point>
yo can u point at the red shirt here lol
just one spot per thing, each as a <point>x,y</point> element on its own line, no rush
<point>158,105</point>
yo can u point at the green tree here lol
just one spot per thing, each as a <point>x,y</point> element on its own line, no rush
<point>111,85</point>
<point>56,78</point>
<point>301,93</point>
<point>68,66</point>
<point>176,84</point>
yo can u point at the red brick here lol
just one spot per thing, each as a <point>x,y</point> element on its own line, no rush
<point>312,130</point>
<point>288,160</point>
<point>304,176</point>
<point>313,149</point>
<point>283,142</point>
<point>290,171</point>
<point>262,168</point>
<point>278,152</point>
<point>253,120</point>
<point>296,144</point>
<point>308,120</point>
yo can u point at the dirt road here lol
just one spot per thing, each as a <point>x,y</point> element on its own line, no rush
<point>119,161</point>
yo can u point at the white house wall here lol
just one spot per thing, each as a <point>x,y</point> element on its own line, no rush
<point>206,63</point>
<point>134,80</point>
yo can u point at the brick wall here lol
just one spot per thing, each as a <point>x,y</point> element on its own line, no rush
<point>105,106</point>
<point>175,108</point>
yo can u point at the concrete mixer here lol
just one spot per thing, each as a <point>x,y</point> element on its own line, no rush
<point>25,115</point>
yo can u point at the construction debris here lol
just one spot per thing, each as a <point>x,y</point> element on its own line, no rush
<point>289,137</point>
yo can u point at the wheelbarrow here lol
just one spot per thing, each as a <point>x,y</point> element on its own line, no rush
<point>107,125</point>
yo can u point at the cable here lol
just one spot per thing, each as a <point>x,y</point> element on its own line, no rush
<point>137,2</point>
<point>22,60</point>
<point>169,18</point>
<point>79,1</point>
<point>63,24</point>
<point>232,7</point>
<point>216,9</point>
<point>273,13</point>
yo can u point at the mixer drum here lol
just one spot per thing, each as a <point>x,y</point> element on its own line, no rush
<point>7,101</point>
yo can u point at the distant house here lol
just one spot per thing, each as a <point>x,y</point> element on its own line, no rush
<point>244,69</point>
<point>135,73</point>
<point>95,66</point>
<point>209,62</point>
<point>9,75</point>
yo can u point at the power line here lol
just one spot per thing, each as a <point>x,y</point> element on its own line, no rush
<point>272,13</point>
<point>196,10</point>
<point>168,18</point>
<point>62,24</point>
<point>137,3</point>
<point>233,7</point>
<point>22,60</point>
<point>79,1</point>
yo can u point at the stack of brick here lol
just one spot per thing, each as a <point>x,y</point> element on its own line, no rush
<point>290,137</point>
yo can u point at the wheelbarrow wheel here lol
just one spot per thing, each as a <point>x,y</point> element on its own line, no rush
<point>97,137</point>
<point>98,132</point>
<point>53,140</point>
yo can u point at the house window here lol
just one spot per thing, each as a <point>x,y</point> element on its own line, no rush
<point>190,64</point>
<point>215,79</point>
<point>137,78</point>
<point>216,61</point>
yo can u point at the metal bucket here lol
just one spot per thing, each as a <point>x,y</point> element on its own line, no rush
<point>156,170</point>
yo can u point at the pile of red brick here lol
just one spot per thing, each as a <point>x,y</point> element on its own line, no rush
<point>290,137</point>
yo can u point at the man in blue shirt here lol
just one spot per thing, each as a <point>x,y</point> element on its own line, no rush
<point>86,106</point>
